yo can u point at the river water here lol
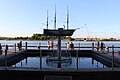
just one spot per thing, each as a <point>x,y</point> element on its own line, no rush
<point>63,43</point>
<point>83,62</point>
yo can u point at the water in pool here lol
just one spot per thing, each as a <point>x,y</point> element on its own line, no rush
<point>83,62</point>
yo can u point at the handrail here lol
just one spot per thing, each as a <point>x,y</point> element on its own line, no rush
<point>61,46</point>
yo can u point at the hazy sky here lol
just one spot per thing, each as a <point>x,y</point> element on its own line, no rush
<point>25,17</point>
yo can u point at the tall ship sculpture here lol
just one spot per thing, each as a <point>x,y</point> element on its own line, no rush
<point>58,58</point>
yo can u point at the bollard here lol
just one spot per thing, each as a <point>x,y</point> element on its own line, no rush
<point>26,45</point>
<point>92,46</point>
<point>77,59</point>
<point>112,57</point>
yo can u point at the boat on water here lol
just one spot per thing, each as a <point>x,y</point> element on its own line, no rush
<point>62,32</point>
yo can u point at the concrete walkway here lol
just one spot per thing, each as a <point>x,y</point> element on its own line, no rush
<point>108,57</point>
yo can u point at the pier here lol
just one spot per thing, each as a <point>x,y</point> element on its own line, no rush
<point>110,58</point>
<point>44,49</point>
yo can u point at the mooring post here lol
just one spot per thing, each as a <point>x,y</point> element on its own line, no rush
<point>92,46</point>
<point>26,45</point>
<point>77,59</point>
<point>112,57</point>
<point>15,47</point>
<point>6,48</point>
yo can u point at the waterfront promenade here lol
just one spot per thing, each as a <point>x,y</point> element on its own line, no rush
<point>75,73</point>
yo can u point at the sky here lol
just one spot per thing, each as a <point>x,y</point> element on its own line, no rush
<point>94,18</point>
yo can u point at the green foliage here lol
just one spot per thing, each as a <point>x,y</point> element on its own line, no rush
<point>43,37</point>
<point>67,38</point>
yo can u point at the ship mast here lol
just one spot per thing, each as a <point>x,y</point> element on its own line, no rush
<point>67,18</point>
<point>47,20</point>
<point>55,18</point>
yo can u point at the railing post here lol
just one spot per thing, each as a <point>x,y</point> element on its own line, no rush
<point>40,52</point>
<point>26,61</point>
<point>41,60</point>
<point>77,59</point>
<point>6,48</point>
<point>0,48</point>
<point>26,45</point>
<point>21,64</point>
<point>112,57</point>
<point>5,59</point>
<point>15,47</point>
<point>20,45</point>
<point>98,46</point>
<point>92,46</point>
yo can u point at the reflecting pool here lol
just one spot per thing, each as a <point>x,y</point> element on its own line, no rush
<point>83,62</point>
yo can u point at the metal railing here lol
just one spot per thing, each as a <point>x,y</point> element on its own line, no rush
<point>91,46</point>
